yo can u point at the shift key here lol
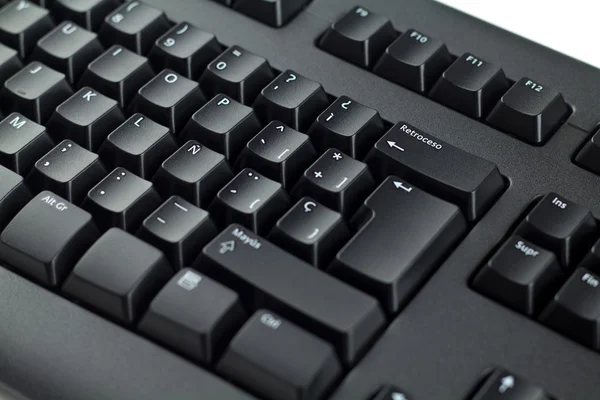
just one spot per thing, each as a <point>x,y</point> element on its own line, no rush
<point>267,277</point>
<point>457,176</point>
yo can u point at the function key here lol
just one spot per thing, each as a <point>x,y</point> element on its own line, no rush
<point>530,110</point>
<point>87,13</point>
<point>273,12</point>
<point>35,92</point>
<point>118,73</point>
<point>185,49</point>
<point>414,61</point>
<point>134,25</point>
<point>503,385</point>
<point>359,37</point>
<point>471,86</point>
<point>292,99</point>
<point>13,195</point>
<point>238,74</point>
<point>562,226</point>
<point>22,143</point>
<point>22,23</point>
<point>10,63</point>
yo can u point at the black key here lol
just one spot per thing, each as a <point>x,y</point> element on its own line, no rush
<point>87,13</point>
<point>118,276</point>
<point>521,275</point>
<point>446,171</point>
<point>589,156</point>
<point>118,74</point>
<point>347,125</point>
<point>86,118</point>
<point>223,125</point>
<point>238,74</point>
<point>170,98</point>
<point>592,259</point>
<point>562,226</point>
<point>359,37</point>
<point>394,252</point>
<point>134,25</point>
<point>121,200</point>
<point>186,49</point>
<point>22,23</point>
<point>311,232</point>
<point>503,385</point>
<point>337,181</point>
<point>292,99</point>
<point>530,111</point>
<point>279,153</point>
<point>193,172</point>
<point>389,392</point>
<point>139,145</point>
<point>179,229</point>
<point>471,85</point>
<point>279,360</point>
<point>203,334</point>
<point>414,61</point>
<point>69,170</point>
<point>13,195</point>
<point>22,143</point>
<point>10,63</point>
<point>35,92</point>
<point>274,12</point>
<point>46,238</point>
<point>69,49</point>
<point>252,200</point>
<point>267,276</point>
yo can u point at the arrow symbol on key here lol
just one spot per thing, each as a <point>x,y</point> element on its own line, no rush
<point>280,128</point>
<point>400,185</point>
<point>394,145</point>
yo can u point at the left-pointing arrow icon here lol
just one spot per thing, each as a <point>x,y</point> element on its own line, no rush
<point>394,145</point>
<point>400,185</point>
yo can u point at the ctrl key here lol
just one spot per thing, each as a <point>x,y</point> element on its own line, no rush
<point>280,361</point>
<point>46,238</point>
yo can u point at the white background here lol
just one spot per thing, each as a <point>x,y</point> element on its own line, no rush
<point>571,27</point>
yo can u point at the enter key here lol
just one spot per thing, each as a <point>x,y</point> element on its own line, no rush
<point>404,235</point>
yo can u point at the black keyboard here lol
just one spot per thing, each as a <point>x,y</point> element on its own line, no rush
<point>294,200</point>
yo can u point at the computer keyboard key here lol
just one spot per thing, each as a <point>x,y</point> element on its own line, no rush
<point>446,171</point>
<point>237,73</point>
<point>179,229</point>
<point>13,195</point>
<point>415,61</point>
<point>347,125</point>
<point>47,238</point>
<point>186,49</point>
<point>170,99</point>
<point>279,153</point>
<point>504,385</point>
<point>592,260</point>
<point>530,110</point>
<point>10,63</point>
<point>35,92</point>
<point>359,37</point>
<point>22,23</point>
<point>266,276</point>
<point>589,156</point>
<point>86,118</point>
<point>193,172</point>
<point>311,232</point>
<point>69,49</point>
<point>337,181</point>
<point>139,145</point>
<point>403,235</point>
<point>135,25</point>
<point>280,361</point>
<point>292,99</point>
<point>22,143</point>
<point>195,316</point>
<point>389,392</point>
<point>118,276</point>
<point>521,275</point>
<point>274,12</point>
<point>86,13</point>
<point>252,200</point>
<point>121,200</point>
<point>471,86</point>
<point>118,73</point>
<point>561,226</point>
<point>68,170</point>
<point>223,125</point>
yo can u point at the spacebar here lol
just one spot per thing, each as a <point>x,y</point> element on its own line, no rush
<point>53,349</point>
